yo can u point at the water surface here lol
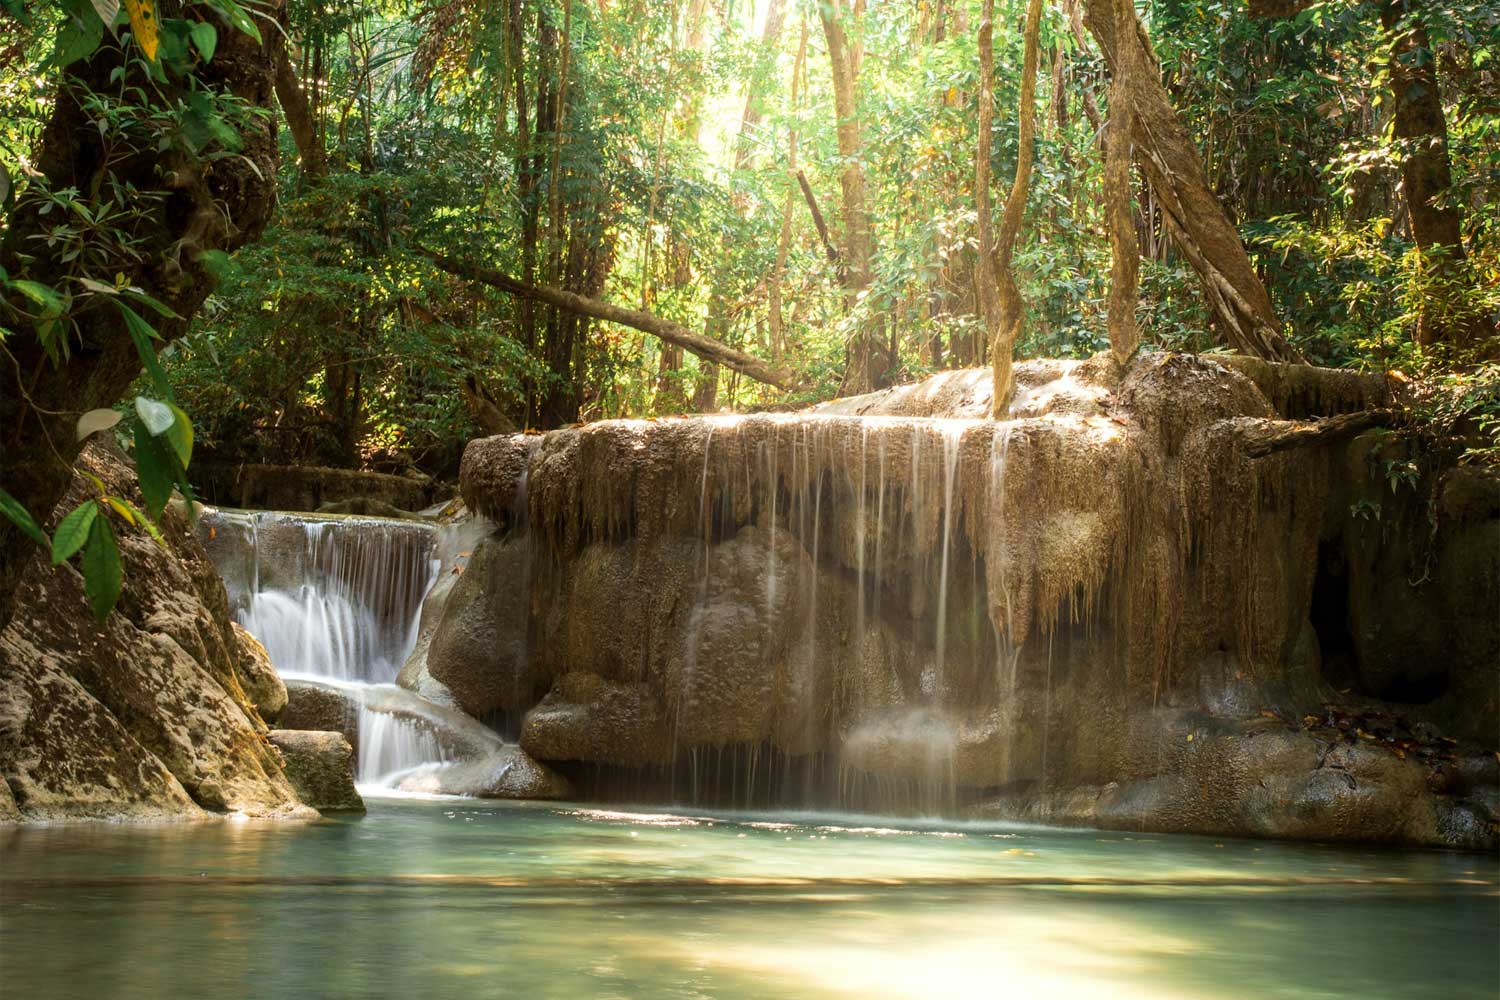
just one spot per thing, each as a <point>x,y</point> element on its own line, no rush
<point>438,898</point>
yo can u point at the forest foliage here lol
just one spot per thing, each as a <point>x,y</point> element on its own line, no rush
<point>688,159</point>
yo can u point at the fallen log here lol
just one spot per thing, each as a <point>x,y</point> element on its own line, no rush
<point>1262,436</point>
<point>676,334</point>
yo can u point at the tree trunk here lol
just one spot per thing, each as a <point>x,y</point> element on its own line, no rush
<point>784,238</point>
<point>708,349</point>
<point>1000,299</point>
<point>1421,130</point>
<point>868,367</point>
<point>1197,221</point>
<point>765,61</point>
<point>1125,252</point>
<point>201,209</point>
<point>299,121</point>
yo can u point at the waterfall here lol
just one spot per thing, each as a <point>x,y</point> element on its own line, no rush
<point>336,599</point>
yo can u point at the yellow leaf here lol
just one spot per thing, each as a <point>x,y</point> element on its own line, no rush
<point>122,510</point>
<point>143,25</point>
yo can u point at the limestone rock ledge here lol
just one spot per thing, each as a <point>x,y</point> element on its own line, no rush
<point>151,714</point>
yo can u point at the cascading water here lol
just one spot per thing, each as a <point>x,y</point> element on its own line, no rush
<point>337,600</point>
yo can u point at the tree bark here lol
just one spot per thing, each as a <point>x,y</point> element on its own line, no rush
<point>1421,130</point>
<point>1000,299</point>
<point>1261,436</point>
<point>299,121</point>
<point>707,348</point>
<point>765,61</point>
<point>204,206</point>
<point>784,238</point>
<point>1125,251</point>
<point>1196,219</point>
<point>868,367</point>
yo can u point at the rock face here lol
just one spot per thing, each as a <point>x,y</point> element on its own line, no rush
<point>152,713</point>
<point>1099,610</point>
<point>320,765</point>
<point>477,761</point>
<point>307,488</point>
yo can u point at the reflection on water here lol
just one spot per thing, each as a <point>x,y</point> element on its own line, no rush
<point>459,898</point>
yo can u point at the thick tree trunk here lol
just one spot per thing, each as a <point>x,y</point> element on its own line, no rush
<point>299,121</point>
<point>1421,129</point>
<point>707,348</point>
<point>1194,215</point>
<point>217,206</point>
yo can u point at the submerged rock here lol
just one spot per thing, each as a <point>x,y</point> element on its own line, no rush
<point>149,714</point>
<point>320,765</point>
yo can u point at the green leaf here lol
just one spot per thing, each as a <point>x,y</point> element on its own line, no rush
<point>95,421</point>
<point>12,509</point>
<point>103,574</point>
<point>205,40</point>
<point>156,416</point>
<point>237,17</point>
<point>73,531</point>
<point>143,333</point>
<point>42,295</point>
<point>180,436</point>
<point>78,39</point>
<point>153,469</point>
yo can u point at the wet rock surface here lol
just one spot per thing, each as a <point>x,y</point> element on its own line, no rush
<point>320,765</point>
<point>150,714</point>
<point>1100,610</point>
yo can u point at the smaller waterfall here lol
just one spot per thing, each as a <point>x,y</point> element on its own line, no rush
<point>337,599</point>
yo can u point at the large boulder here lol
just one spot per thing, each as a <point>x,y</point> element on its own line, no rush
<point>319,707</point>
<point>478,651</point>
<point>321,767</point>
<point>146,714</point>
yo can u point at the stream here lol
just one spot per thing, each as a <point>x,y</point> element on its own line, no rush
<point>460,897</point>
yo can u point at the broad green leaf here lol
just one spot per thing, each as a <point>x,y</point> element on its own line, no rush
<point>97,420</point>
<point>42,295</point>
<point>103,575</point>
<point>12,509</point>
<point>180,436</point>
<point>73,531</point>
<point>155,415</point>
<point>238,17</point>
<point>205,40</point>
<point>77,39</point>
<point>143,25</point>
<point>153,467</point>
